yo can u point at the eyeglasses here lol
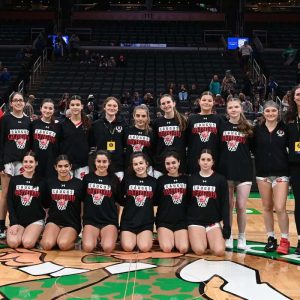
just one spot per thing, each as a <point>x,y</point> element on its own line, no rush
<point>17,100</point>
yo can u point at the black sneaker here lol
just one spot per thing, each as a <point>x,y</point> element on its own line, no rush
<point>297,251</point>
<point>2,233</point>
<point>271,244</point>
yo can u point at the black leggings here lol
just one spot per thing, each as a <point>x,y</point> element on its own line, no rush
<point>295,183</point>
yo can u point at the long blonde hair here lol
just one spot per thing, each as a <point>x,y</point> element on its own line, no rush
<point>146,109</point>
<point>179,118</point>
<point>243,125</point>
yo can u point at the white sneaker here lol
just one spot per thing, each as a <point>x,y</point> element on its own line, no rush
<point>241,244</point>
<point>229,243</point>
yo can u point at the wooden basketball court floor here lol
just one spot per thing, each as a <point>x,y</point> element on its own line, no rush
<point>250,274</point>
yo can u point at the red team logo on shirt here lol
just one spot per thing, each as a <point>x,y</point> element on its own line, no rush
<point>44,137</point>
<point>233,138</point>
<point>204,130</point>
<point>98,192</point>
<point>140,193</point>
<point>20,136</point>
<point>26,193</point>
<point>203,193</point>
<point>138,142</point>
<point>176,191</point>
<point>168,133</point>
<point>62,197</point>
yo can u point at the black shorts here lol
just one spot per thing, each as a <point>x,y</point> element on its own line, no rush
<point>173,227</point>
<point>98,225</point>
<point>77,228</point>
<point>137,230</point>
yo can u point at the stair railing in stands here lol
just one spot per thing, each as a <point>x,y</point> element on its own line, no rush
<point>37,67</point>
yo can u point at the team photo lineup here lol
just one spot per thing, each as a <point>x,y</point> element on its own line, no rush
<point>114,182</point>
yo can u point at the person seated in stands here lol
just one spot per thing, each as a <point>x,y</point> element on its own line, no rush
<point>246,103</point>
<point>215,85</point>
<point>289,54</point>
<point>193,93</point>
<point>219,101</point>
<point>121,61</point>
<point>5,75</point>
<point>285,102</point>
<point>63,105</point>
<point>85,57</point>
<point>228,84</point>
<point>126,98</point>
<point>111,63</point>
<point>91,98</point>
<point>28,108</point>
<point>90,111</point>
<point>103,63</point>
<point>183,94</point>
<point>149,100</point>
<point>257,107</point>
<point>136,100</point>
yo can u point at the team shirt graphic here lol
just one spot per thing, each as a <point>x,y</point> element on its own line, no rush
<point>203,193</point>
<point>140,193</point>
<point>176,191</point>
<point>26,193</point>
<point>138,142</point>
<point>233,138</point>
<point>205,129</point>
<point>98,192</point>
<point>62,197</point>
<point>168,133</point>
<point>20,136</point>
<point>44,137</point>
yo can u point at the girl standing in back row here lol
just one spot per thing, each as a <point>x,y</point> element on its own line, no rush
<point>169,133</point>
<point>272,174</point>
<point>75,137</point>
<point>45,137</point>
<point>108,134</point>
<point>202,131</point>
<point>236,165</point>
<point>14,143</point>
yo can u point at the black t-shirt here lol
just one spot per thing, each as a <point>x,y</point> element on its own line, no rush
<point>102,195</point>
<point>171,200</point>
<point>65,202</point>
<point>235,159</point>
<point>208,200</point>
<point>14,138</point>
<point>25,200</point>
<point>203,133</point>
<point>139,194</point>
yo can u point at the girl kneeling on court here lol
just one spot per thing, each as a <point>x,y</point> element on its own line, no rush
<point>208,206</point>
<point>138,216</point>
<point>100,216</point>
<point>26,197</point>
<point>64,194</point>
<point>171,207</point>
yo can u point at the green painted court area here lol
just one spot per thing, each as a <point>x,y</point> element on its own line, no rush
<point>250,211</point>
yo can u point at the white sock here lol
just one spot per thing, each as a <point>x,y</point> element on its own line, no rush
<point>241,235</point>
<point>298,237</point>
<point>285,235</point>
<point>271,233</point>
